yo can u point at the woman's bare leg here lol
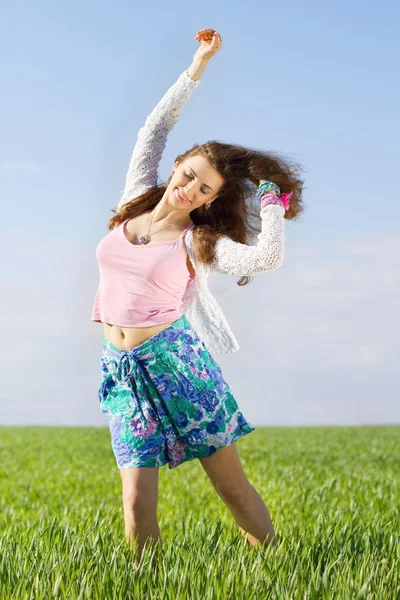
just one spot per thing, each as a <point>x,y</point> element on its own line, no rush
<point>140,497</point>
<point>244,502</point>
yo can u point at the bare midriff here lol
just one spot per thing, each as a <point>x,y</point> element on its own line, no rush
<point>126,338</point>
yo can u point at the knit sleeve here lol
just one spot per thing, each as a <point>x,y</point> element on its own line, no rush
<point>143,167</point>
<point>234,258</point>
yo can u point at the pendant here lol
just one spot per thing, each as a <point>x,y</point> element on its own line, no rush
<point>144,239</point>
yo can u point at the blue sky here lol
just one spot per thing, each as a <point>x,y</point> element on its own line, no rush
<point>315,81</point>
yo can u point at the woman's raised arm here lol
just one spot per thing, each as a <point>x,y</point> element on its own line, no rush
<point>143,167</point>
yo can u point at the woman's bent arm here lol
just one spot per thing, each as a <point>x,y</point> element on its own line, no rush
<point>143,167</point>
<point>234,258</point>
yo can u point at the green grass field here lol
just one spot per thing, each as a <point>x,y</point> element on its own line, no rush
<point>333,494</point>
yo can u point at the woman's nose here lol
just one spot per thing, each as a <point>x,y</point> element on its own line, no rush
<point>189,189</point>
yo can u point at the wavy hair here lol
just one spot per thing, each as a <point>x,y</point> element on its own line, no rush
<point>234,212</point>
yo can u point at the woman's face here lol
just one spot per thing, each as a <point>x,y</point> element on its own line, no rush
<point>196,181</point>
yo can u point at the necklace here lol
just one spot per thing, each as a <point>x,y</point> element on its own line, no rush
<point>145,239</point>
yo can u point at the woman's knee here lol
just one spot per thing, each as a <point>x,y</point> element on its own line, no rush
<point>140,491</point>
<point>233,493</point>
<point>138,503</point>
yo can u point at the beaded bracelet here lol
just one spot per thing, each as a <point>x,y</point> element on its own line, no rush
<point>269,193</point>
<point>267,186</point>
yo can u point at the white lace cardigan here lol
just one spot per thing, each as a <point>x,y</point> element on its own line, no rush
<point>233,258</point>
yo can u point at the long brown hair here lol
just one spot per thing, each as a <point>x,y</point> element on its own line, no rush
<point>236,210</point>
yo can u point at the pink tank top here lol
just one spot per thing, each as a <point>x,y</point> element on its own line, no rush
<point>140,285</point>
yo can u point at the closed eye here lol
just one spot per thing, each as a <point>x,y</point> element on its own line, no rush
<point>190,177</point>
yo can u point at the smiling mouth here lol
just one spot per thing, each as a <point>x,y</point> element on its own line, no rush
<point>182,198</point>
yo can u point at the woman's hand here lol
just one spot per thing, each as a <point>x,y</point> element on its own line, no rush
<point>210,44</point>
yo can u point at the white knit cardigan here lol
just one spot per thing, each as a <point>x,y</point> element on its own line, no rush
<point>232,258</point>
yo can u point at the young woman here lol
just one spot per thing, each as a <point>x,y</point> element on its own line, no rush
<point>161,390</point>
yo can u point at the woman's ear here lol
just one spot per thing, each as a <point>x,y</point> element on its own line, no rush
<point>176,165</point>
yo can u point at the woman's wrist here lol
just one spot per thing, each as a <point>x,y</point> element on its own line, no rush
<point>196,68</point>
<point>270,199</point>
<point>269,193</point>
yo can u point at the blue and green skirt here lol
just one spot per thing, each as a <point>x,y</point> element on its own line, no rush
<point>166,400</point>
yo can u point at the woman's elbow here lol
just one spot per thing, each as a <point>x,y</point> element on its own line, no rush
<point>278,262</point>
<point>273,263</point>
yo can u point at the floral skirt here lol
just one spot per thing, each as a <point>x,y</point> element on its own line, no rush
<point>166,400</point>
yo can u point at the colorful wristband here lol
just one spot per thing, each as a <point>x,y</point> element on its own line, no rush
<point>269,193</point>
<point>270,199</point>
<point>268,186</point>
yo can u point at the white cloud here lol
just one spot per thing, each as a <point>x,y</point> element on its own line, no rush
<point>328,314</point>
<point>323,311</point>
